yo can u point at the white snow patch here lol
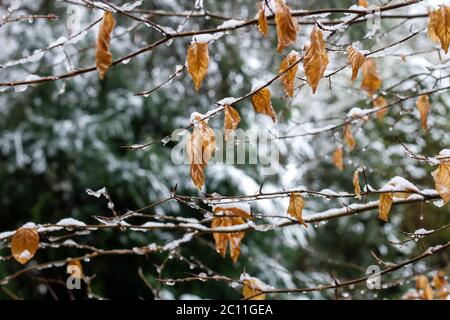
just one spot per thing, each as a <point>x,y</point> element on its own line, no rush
<point>71,222</point>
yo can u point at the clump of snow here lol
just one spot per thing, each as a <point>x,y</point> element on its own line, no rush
<point>29,225</point>
<point>71,222</point>
<point>206,38</point>
<point>231,24</point>
<point>398,183</point>
<point>130,6</point>
<point>98,193</point>
<point>25,254</point>
<point>6,234</point>
<point>444,153</point>
<point>70,242</point>
<point>176,243</point>
<point>228,100</point>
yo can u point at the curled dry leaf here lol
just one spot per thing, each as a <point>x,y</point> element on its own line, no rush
<point>197,61</point>
<point>423,288</point>
<point>356,60</point>
<point>439,26</point>
<point>252,290</point>
<point>356,183</point>
<point>316,59</point>
<point>423,104</point>
<point>439,280</point>
<point>263,27</point>
<point>382,104</point>
<point>24,244</point>
<point>261,103</point>
<point>286,25</point>
<point>348,137</point>
<point>384,206</point>
<point>441,178</point>
<point>75,269</point>
<point>222,239</point>
<point>103,57</point>
<point>296,205</point>
<point>338,158</point>
<point>231,121</point>
<point>371,80</point>
<point>200,148</point>
<point>288,77</point>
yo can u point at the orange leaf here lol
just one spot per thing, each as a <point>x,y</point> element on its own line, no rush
<point>423,288</point>
<point>363,3</point>
<point>338,158</point>
<point>382,104</point>
<point>252,288</point>
<point>200,148</point>
<point>287,26</point>
<point>348,138</point>
<point>441,178</point>
<point>385,204</point>
<point>296,205</point>
<point>233,238</point>
<point>356,183</point>
<point>356,59</point>
<point>103,57</point>
<point>316,59</point>
<point>24,244</point>
<point>231,121</point>
<point>288,77</point>
<point>262,22</point>
<point>197,60</point>
<point>371,80</point>
<point>261,103</point>
<point>423,104</point>
<point>439,26</point>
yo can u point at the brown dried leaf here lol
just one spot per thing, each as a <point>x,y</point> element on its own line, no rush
<point>439,280</point>
<point>24,244</point>
<point>371,80</point>
<point>356,59</point>
<point>200,148</point>
<point>348,137</point>
<point>261,103</point>
<point>263,27</point>
<point>75,269</point>
<point>381,103</point>
<point>356,184</point>
<point>231,121</point>
<point>338,158</point>
<point>439,26</point>
<point>288,77</point>
<point>296,205</point>
<point>197,60</point>
<point>103,57</point>
<point>316,59</point>
<point>287,26</point>
<point>222,239</point>
<point>385,204</point>
<point>441,178</point>
<point>423,288</point>
<point>423,104</point>
<point>250,289</point>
